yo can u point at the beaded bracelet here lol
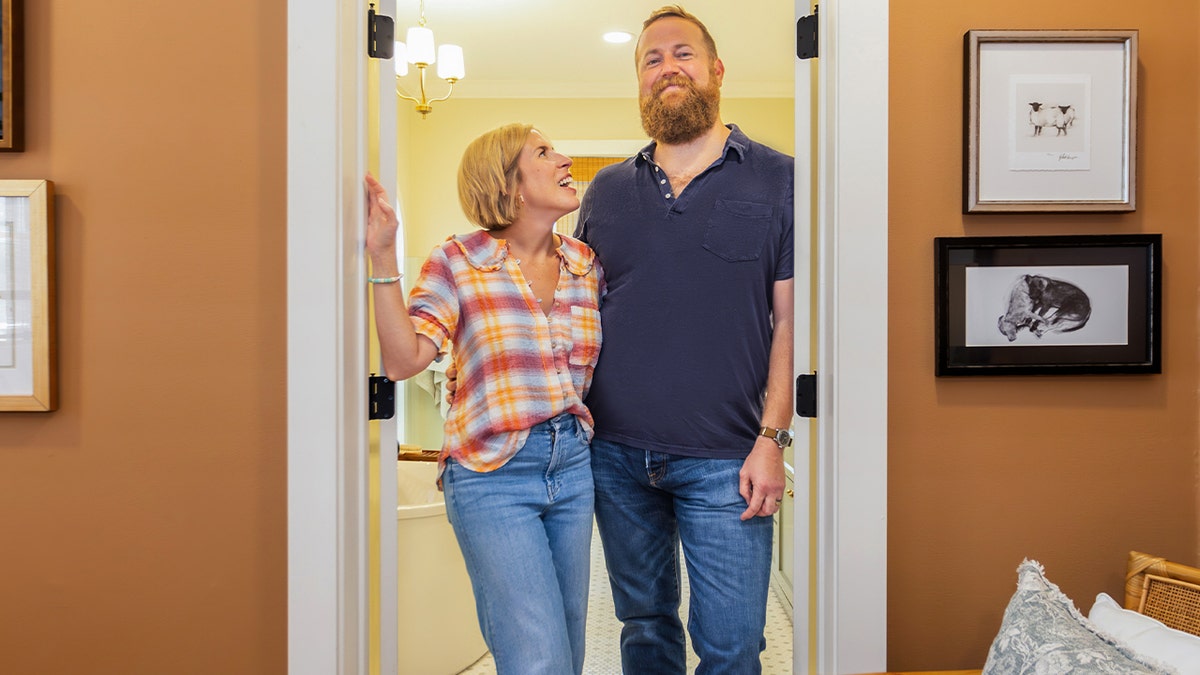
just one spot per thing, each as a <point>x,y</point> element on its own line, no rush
<point>385,280</point>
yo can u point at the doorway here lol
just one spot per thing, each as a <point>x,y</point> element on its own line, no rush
<point>326,413</point>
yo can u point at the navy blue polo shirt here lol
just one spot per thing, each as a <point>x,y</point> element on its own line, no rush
<point>687,317</point>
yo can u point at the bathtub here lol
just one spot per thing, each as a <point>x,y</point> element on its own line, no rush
<point>438,628</point>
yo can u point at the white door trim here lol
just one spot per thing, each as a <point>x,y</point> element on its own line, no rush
<point>852,343</point>
<point>326,392</point>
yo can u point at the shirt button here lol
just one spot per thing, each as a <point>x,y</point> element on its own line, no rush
<point>663,181</point>
<point>667,196</point>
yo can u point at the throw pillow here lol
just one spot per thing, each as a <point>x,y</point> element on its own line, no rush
<point>1043,632</point>
<point>1147,636</point>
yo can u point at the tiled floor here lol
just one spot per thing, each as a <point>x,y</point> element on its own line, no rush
<point>603,657</point>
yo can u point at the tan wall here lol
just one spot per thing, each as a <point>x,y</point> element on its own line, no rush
<point>143,523</point>
<point>1071,471</point>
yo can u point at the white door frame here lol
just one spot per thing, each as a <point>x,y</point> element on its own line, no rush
<point>327,323</point>
<point>327,439</point>
<point>851,603</point>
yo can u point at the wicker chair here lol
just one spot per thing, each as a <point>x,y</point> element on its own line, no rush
<point>1163,590</point>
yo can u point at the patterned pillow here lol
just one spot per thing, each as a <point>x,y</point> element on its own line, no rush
<point>1043,632</point>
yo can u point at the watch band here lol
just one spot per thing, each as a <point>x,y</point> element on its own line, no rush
<point>782,437</point>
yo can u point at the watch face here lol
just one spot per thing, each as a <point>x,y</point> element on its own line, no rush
<point>783,438</point>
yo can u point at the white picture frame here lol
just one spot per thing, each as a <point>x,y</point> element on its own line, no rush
<point>1050,121</point>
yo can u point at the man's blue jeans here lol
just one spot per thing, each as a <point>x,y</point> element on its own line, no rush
<point>647,503</point>
<point>525,531</point>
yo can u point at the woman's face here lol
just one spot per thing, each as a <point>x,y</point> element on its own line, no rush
<point>545,179</point>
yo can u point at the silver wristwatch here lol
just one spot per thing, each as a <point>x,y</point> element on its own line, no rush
<point>782,437</point>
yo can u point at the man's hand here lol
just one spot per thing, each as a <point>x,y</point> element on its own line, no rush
<point>762,479</point>
<point>451,382</point>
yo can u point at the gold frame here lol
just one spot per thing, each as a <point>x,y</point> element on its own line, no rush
<point>12,80</point>
<point>1125,149</point>
<point>43,369</point>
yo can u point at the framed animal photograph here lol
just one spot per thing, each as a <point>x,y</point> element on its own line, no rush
<point>1051,121</point>
<point>1048,305</point>
<point>28,381</point>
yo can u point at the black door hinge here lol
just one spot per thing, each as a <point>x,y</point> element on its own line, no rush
<point>381,396</point>
<point>381,32</point>
<point>806,35</point>
<point>806,395</point>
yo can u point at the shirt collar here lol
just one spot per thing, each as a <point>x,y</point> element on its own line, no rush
<point>737,142</point>
<point>487,254</point>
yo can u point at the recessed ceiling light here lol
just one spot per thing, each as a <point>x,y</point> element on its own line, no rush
<point>617,37</point>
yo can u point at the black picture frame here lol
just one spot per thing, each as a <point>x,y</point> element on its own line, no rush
<point>1048,305</point>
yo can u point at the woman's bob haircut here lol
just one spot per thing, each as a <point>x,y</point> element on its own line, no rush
<point>488,176</point>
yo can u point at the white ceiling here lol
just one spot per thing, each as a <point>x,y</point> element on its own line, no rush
<point>553,49</point>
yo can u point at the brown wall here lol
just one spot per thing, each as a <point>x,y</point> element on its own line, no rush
<point>1071,471</point>
<point>143,524</point>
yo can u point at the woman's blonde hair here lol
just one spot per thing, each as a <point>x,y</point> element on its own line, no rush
<point>488,176</point>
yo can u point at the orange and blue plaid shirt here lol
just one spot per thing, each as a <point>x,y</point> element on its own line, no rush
<point>516,365</point>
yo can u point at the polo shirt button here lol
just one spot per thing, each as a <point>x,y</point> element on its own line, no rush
<point>667,196</point>
<point>664,180</point>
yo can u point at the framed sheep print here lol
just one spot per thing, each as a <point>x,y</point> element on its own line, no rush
<point>1048,305</point>
<point>27,349</point>
<point>1050,121</point>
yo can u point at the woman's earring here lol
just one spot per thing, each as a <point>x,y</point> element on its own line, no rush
<point>521,197</point>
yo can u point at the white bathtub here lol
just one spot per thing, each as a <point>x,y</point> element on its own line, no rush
<point>439,631</point>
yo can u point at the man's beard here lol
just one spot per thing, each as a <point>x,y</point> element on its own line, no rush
<point>684,120</point>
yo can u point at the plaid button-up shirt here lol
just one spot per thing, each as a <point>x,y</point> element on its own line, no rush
<point>517,366</point>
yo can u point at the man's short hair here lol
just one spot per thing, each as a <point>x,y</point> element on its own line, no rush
<point>488,176</point>
<point>678,11</point>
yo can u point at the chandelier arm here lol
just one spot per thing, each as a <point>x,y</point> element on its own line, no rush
<point>435,100</point>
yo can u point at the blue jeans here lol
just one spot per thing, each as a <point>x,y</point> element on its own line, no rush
<point>525,531</point>
<point>646,504</point>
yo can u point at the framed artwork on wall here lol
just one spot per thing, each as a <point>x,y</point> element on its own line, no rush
<point>28,372</point>
<point>12,109</point>
<point>1048,305</point>
<point>1050,121</point>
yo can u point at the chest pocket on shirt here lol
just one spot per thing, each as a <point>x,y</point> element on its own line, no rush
<point>737,230</point>
<point>585,336</point>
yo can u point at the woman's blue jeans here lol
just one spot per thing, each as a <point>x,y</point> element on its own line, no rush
<point>646,504</point>
<point>525,531</point>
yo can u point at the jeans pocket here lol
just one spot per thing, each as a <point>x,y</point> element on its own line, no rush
<point>737,230</point>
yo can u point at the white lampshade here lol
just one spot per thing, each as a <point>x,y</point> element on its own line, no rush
<point>420,45</point>
<point>450,63</point>
<point>400,57</point>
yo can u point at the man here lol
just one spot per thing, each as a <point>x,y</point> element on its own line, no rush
<point>695,234</point>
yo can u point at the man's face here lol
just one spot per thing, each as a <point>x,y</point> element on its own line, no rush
<point>679,81</point>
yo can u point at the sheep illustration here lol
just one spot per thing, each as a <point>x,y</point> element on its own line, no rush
<point>1058,116</point>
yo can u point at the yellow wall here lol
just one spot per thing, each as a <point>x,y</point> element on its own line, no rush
<point>143,524</point>
<point>1071,471</point>
<point>436,143</point>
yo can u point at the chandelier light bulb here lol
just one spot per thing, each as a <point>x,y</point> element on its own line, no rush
<point>420,46</point>
<point>450,63</point>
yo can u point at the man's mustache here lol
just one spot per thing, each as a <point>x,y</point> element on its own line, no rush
<point>673,81</point>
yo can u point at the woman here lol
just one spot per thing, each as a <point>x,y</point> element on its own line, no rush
<point>521,306</point>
